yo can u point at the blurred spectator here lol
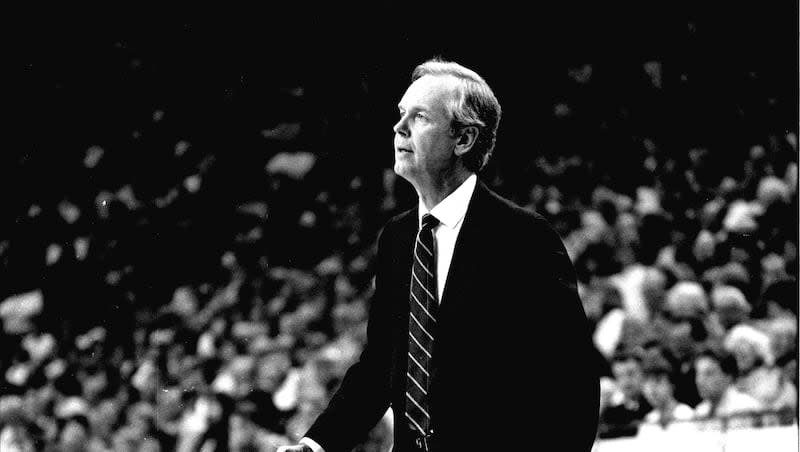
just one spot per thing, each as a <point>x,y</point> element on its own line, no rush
<point>730,306</point>
<point>659,390</point>
<point>716,372</point>
<point>686,300</point>
<point>758,375</point>
<point>627,406</point>
<point>19,435</point>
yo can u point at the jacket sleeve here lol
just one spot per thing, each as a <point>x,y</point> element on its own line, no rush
<point>563,391</point>
<point>580,382</point>
<point>364,394</point>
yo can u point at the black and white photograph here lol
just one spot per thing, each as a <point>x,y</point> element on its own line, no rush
<point>559,228</point>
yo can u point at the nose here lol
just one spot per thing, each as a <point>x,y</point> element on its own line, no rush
<point>401,127</point>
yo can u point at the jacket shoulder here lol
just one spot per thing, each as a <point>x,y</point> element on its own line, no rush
<point>510,211</point>
<point>396,223</point>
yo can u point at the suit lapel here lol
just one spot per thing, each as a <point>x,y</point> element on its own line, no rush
<point>403,254</point>
<point>464,268</point>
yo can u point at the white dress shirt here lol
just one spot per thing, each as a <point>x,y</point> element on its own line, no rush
<point>450,212</point>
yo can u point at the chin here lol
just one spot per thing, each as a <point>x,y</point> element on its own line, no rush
<point>401,169</point>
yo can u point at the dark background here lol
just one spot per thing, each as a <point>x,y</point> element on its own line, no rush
<point>728,79</point>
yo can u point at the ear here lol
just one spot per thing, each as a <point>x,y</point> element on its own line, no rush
<point>465,140</point>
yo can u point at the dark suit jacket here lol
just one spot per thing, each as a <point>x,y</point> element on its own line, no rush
<point>513,362</point>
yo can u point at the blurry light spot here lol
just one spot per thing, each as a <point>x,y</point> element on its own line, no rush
<point>653,69</point>
<point>282,132</point>
<point>127,196</point>
<point>308,219</point>
<point>581,74</point>
<point>181,147</point>
<point>192,183</point>
<point>295,165</point>
<point>561,110</point>
<point>34,210</point>
<point>113,277</point>
<point>792,139</point>
<point>69,212</point>
<point>53,254</point>
<point>93,156</point>
<point>81,248</point>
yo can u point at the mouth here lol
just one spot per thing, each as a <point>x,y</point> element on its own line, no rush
<point>403,150</point>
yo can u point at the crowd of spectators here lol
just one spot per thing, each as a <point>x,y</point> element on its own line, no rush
<point>207,299</point>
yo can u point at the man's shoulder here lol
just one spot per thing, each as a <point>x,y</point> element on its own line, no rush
<point>405,219</point>
<point>508,207</point>
<point>515,219</point>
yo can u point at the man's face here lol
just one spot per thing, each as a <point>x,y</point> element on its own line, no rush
<point>711,381</point>
<point>423,142</point>
<point>628,375</point>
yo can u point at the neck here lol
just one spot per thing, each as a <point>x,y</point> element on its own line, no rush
<point>433,192</point>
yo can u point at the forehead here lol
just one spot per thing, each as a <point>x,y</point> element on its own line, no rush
<point>431,92</point>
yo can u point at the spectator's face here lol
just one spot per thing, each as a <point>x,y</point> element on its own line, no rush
<point>73,437</point>
<point>730,315</point>
<point>242,432</point>
<point>271,371</point>
<point>628,228</point>
<point>36,400</point>
<point>94,384</point>
<point>423,140</point>
<point>783,341</point>
<point>658,390</point>
<point>103,417</point>
<point>14,438</point>
<point>679,340</point>
<point>628,375</point>
<point>745,354</point>
<point>711,381</point>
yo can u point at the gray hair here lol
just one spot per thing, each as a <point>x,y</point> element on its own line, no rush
<point>474,105</point>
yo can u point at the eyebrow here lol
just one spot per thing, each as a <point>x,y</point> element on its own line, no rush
<point>414,108</point>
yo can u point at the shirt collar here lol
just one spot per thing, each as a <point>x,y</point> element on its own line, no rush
<point>452,209</point>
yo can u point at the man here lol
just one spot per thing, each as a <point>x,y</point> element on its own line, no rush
<point>659,390</point>
<point>715,372</point>
<point>628,406</point>
<point>476,336</point>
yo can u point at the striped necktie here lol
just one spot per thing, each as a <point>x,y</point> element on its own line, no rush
<point>421,326</point>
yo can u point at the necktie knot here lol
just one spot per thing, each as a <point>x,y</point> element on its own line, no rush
<point>429,221</point>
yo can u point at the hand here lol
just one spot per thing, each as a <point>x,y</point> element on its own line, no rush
<point>296,448</point>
